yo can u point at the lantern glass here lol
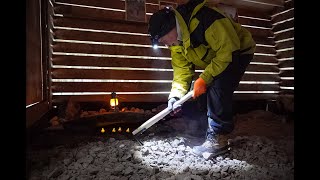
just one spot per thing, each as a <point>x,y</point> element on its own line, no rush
<point>114,102</point>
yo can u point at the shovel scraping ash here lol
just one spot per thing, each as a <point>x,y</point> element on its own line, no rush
<point>158,117</point>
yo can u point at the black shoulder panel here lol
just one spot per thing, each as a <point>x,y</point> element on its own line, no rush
<point>206,17</point>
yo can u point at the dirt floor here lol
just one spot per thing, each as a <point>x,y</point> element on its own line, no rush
<point>51,154</point>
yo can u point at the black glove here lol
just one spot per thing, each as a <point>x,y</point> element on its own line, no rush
<point>175,108</point>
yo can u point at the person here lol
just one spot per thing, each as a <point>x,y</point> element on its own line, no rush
<point>202,36</point>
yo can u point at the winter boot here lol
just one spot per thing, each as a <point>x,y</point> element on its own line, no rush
<point>215,145</point>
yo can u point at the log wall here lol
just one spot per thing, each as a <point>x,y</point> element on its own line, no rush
<point>283,27</point>
<point>95,51</point>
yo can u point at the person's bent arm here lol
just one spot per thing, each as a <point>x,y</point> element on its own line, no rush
<point>183,72</point>
<point>223,39</point>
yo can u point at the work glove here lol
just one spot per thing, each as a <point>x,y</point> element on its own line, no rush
<point>176,109</point>
<point>199,87</point>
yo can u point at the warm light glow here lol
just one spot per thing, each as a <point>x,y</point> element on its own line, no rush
<point>128,130</point>
<point>114,102</point>
<point>114,130</point>
<point>119,129</point>
<point>102,130</point>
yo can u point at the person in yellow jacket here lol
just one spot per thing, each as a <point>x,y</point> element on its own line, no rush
<point>202,36</point>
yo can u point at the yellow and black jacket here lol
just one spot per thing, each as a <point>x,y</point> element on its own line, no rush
<point>209,39</point>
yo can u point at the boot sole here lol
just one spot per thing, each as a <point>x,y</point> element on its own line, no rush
<point>209,155</point>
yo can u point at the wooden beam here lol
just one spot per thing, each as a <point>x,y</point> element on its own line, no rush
<point>254,22</point>
<point>284,35</point>
<point>283,26</point>
<point>109,49</point>
<point>35,112</point>
<point>88,13</point>
<point>260,32</point>
<point>107,25</point>
<point>101,37</point>
<point>254,13</point>
<point>110,62</point>
<point>140,87</point>
<point>283,16</point>
<point>116,4</point>
<point>285,54</point>
<point>288,83</point>
<point>265,50</point>
<point>284,64</point>
<point>285,44</point>
<point>154,98</point>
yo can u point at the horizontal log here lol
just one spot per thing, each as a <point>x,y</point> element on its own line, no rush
<point>262,68</point>
<point>121,38</point>
<point>286,91</point>
<point>247,6</point>
<point>284,35</point>
<point>283,16</point>
<point>287,73</point>
<point>286,44</point>
<point>284,64</point>
<point>128,62</point>
<point>109,49</point>
<point>116,4</point>
<point>152,1</point>
<point>137,74</point>
<point>140,87</point>
<point>110,62</point>
<point>110,87</point>
<point>35,112</point>
<point>260,32</point>
<point>101,37</point>
<point>264,40</point>
<point>153,98</point>
<point>121,97</point>
<point>152,8</point>
<point>125,50</point>
<point>258,87</point>
<point>265,59</point>
<point>168,3</point>
<point>261,77</point>
<point>287,5</point>
<point>266,50</point>
<point>283,26</point>
<point>88,13</point>
<point>287,83</point>
<point>148,18</point>
<point>285,54</point>
<point>110,74</point>
<point>252,13</point>
<point>107,25</point>
<point>254,22</point>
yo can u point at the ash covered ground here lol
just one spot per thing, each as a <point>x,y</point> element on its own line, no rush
<point>263,150</point>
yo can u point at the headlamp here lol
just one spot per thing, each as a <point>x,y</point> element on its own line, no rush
<point>155,42</point>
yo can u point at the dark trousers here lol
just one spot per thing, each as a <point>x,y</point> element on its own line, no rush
<point>220,93</point>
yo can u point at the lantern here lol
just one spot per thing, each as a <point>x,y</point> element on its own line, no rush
<point>114,101</point>
<point>102,130</point>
